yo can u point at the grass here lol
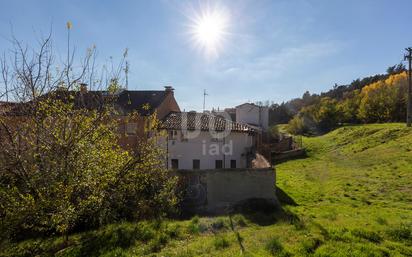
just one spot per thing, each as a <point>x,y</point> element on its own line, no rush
<point>352,196</point>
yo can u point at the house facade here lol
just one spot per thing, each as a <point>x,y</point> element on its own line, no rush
<point>253,114</point>
<point>131,129</point>
<point>200,141</point>
<point>144,102</point>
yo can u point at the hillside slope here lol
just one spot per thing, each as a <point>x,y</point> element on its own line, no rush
<point>356,177</point>
<point>352,196</point>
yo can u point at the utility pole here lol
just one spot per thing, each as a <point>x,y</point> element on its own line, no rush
<point>204,100</point>
<point>409,108</point>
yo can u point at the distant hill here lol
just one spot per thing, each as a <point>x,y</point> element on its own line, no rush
<point>284,112</point>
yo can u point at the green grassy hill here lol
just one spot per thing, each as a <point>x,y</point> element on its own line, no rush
<point>356,180</point>
<point>352,196</point>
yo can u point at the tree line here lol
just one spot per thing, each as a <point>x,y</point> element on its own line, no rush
<point>378,98</point>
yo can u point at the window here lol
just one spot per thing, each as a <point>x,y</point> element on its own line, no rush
<point>219,164</point>
<point>196,164</point>
<point>175,164</point>
<point>172,134</point>
<point>233,164</point>
<point>131,128</point>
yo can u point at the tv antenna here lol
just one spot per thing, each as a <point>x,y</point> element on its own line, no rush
<point>126,71</point>
<point>204,99</point>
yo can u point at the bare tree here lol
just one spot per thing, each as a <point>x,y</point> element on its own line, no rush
<point>60,162</point>
<point>53,137</point>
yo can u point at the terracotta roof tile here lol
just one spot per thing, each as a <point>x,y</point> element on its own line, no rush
<point>202,121</point>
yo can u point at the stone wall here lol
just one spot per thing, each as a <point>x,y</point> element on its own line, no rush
<point>215,191</point>
<point>288,155</point>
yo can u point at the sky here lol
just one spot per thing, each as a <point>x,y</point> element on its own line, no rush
<point>271,50</point>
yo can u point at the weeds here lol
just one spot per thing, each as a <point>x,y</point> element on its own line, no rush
<point>403,232</point>
<point>220,242</point>
<point>239,220</point>
<point>367,235</point>
<point>275,248</point>
<point>218,224</point>
<point>310,245</point>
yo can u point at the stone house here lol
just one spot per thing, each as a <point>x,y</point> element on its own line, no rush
<point>198,141</point>
<point>143,102</point>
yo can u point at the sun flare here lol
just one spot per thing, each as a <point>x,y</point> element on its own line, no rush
<point>209,30</point>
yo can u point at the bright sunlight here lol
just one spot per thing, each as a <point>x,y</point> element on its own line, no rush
<point>209,30</point>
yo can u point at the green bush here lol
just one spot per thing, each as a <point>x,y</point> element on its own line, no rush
<point>173,230</point>
<point>239,220</point>
<point>296,126</point>
<point>96,183</point>
<point>310,245</point>
<point>218,224</point>
<point>220,242</point>
<point>275,248</point>
<point>195,226</point>
<point>158,242</point>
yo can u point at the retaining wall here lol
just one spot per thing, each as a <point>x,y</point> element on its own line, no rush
<point>216,191</point>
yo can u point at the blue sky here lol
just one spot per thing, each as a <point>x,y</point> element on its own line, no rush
<point>273,50</point>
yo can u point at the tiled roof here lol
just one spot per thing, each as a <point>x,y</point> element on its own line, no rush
<point>144,102</point>
<point>202,121</point>
<point>135,100</point>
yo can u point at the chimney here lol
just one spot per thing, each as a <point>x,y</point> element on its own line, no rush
<point>169,89</point>
<point>83,88</point>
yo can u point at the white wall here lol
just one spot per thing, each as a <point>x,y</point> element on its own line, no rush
<point>203,148</point>
<point>253,114</point>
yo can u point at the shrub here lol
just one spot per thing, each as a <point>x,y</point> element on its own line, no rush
<point>218,224</point>
<point>296,126</point>
<point>274,133</point>
<point>158,242</point>
<point>239,220</point>
<point>310,245</point>
<point>173,230</point>
<point>275,248</point>
<point>220,242</point>
<point>195,226</point>
<point>195,219</point>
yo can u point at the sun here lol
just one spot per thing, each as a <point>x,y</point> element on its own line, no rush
<point>209,30</point>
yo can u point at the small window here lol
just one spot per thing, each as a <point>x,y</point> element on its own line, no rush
<point>131,128</point>
<point>175,164</point>
<point>196,164</point>
<point>233,164</point>
<point>172,134</point>
<point>219,164</point>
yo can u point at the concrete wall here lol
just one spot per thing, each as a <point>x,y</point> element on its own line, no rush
<point>253,114</point>
<point>207,149</point>
<point>215,191</point>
